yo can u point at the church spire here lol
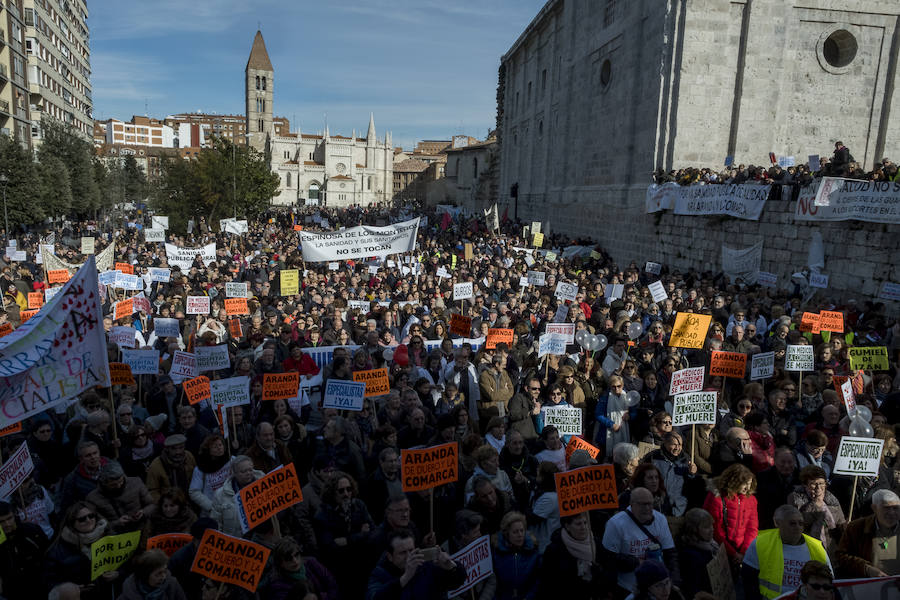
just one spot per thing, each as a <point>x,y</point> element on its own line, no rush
<point>370,136</point>
<point>259,58</point>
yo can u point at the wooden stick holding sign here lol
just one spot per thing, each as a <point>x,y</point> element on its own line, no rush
<point>427,469</point>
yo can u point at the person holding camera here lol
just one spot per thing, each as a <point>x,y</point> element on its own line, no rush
<point>406,572</point>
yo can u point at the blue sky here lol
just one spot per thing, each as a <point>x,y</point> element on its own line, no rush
<point>426,68</point>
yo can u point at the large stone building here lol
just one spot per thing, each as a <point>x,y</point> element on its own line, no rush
<point>317,168</point>
<point>596,94</point>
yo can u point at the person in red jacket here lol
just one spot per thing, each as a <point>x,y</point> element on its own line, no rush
<point>300,361</point>
<point>733,509</point>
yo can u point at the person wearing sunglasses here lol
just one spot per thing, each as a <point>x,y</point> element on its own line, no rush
<point>817,583</point>
<point>291,566</point>
<point>68,558</point>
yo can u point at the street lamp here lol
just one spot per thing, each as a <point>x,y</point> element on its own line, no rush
<point>4,180</point>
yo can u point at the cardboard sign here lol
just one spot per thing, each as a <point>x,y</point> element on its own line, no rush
<point>110,552</point>
<point>159,222</point>
<point>535,227</point>
<point>87,245</point>
<point>468,251</point>
<point>184,366</point>
<point>538,240</point>
<point>719,571</point>
<point>810,322</point>
<point>462,291</point>
<point>234,328</point>
<point>237,289</point>
<point>141,304</point>
<point>869,358</point>
<point>586,489</point>
<point>376,381</point>
<point>695,408</point>
<point>50,292</point>
<point>550,344</point>
<point>429,467</point>
<point>799,358</point>
<point>35,299</point>
<point>536,278</point>
<point>166,327</point>
<point>290,282</point>
<point>658,291</point>
<point>690,330</point>
<point>120,374</point>
<point>686,380</point>
<point>653,267</point>
<point>170,543</point>
<point>197,305</point>
<point>564,332</point>
<point>344,395</point>
<point>233,391</point>
<point>123,308</point>
<point>268,496</point>
<point>728,364</point>
<point>567,419</point>
<point>11,429</point>
<point>280,386</point>
<point>460,325</point>
<point>236,306</point>
<point>160,275</point>
<point>495,336</point>
<point>230,560</point>
<point>197,389</point>
<point>762,366</point>
<point>566,291</point>
<point>576,443</point>
<point>831,321</point>
<point>141,362</point>
<point>212,358</point>
<point>15,470</point>
<point>125,268</point>
<point>766,279</point>
<point>476,560</point>
<point>24,315</point>
<point>57,276</point>
<point>858,456</point>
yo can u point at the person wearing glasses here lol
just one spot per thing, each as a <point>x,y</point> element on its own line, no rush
<point>817,583</point>
<point>612,415</point>
<point>291,566</point>
<point>523,407</point>
<point>69,557</point>
<point>822,513</point>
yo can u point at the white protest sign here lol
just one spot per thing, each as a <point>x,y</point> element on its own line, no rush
<point>166,327</point>
<point>567,419</point>
<point>889,291</point>
<point>766,279</point>
<point>184,366</point>
<point>359,242</point>
<point>653,267</point>
<point>564,332</point>
<point>197,305</point>
<point>154,235</point>
<point>212,358</point>
<point>799,358</point>
<point>441,272</point>
<point>615,290</point>
<point>87,245</point>
<point>142,362</point>
<point>373,269</point>
<point>15,470</point>
<point>334,266</point>
<point>160,275</point>
<point>344,395</point>
<point>695,408</point>
<point>818,280</point>
<point>849,397</point>
<point>122,336</point>
<point>566,291</point>
<point>549,344</point>
<point>236,289</point>
<point>183,258</point>
<point>233,391</point>
<point>107,277</point>
<point>234,226</point>
<point>536,278</point>
<point>762,366</point>
<point>50,292</point>
<point>477,561</point>
<point>858,456</point>
<point>361,305</point>
<point>523,281</point>
<point>535,227</point>
<point>658,291</point>
<point>462,291</point>
<point>20,255</point>
<point>686,380</point>
<point>159,222</point>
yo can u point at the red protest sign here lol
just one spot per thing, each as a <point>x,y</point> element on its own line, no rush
<point>124,268</point>
<point>197,389</point>
<point>230,560</point>
<point>269,495</point>
<point>728,364</point>
<point>280,386</point>
<point>830,320</point>
<point>460,325</point>
<point>429,467</point>
<point>586,489</point>
<point>495,336</point>
<point>170,543</point>
<point>120,374</point>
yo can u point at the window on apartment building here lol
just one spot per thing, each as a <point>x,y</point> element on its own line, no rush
<point>30,45</point>
<point>29,16</point>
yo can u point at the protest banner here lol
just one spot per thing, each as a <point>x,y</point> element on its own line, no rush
<point>462,291</point>
<point>690,330</point>
<point>141,362</point>
<point>810,322</point>
<point>35,299</point>
<point>577,443</point>
<point>762,366</point>
<point>184,366</point>
<point>280,386</point>
<point>128,282</point>
<point>653,267</point>
<point>460,325</point>
<point>889,291</point>
<point>50,292</point>
<point>230,560</point>
<point>584,489</point>
<point>197,305</point>
<point>238,289</point>
<point>869,358</point>
<point>125,268</point>
<point>110,552</point>
<point>858,456</point>
<point>122,336</point>
<point>183,258</point>
<point>564,332</point>
<point>236,306</point>
<point>361,305</point>
<point>831,321</point>
<point>170,543</point>
<point>212,358</point>
<point>536,278</point>
<point>742,263</point>
<point>550,344</point>
<point>728,364</point>
<point>376,381</point>
<point>562,313</point>
<point>57,276</point>
<point>234,329</point>
<point>658,291</point>
<point>719,571</point>
<point>87,245</point>
<point>290,282</point>
<point>799,358</point>
<point>498,335</point>
<point>476,560</point>
<point>344,395</point>
<point>197,389</point>
<point>567,419</point>
<point>694,408</point>
<point>166,327</point>
<point>838,199</point>
<point>235,226</point>
<point>359,242</point>
<point>154,235</point>
<point>686,380</point>
<point>766,279</point>
<point>11,429</point>
<point>232,391</point>
<point>429,467</point>
<point>740,201</point>
<point>15,470</point>
<point>120,374</point>
<point>268,496</point>
<point>566,291</point>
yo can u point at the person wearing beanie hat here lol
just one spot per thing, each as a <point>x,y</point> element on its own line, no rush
<point>653,583</point>
<point>580,458</point>
<point>123,501</point>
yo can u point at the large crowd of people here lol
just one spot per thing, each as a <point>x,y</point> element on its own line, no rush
<point>759,483</point>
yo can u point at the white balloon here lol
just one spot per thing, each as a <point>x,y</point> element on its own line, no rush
<point>632,399</point>
<point>635,330</point>
<point>581,338</point>
<point>602,341</point>
<point>860,428</point>
<point>388,354</point>
<point>592,342</point>
<point>864,412</point>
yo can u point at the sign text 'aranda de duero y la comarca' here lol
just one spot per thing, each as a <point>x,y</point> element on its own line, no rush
<point>429,467</point>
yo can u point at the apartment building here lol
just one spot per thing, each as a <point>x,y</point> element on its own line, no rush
<point>15,118</point>
<point>140,131</point>
<point>194,129</point>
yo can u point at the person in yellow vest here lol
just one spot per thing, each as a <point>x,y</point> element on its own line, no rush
<point>774,560</point>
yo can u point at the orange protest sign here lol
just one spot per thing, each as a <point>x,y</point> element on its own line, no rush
<point>269,495</point>
<point>830,320</point>
<point>6,329</point>
<point>120,374</point>
<point>24,315</point>
<point>689,330</point>
<point>35,299</point>
<point>236,306</point>
<point>429,467</point>
<point>728,364</point>
<point>586,489</point>
<point>280,386</point>
<point>298,227</point>
<point>810,322</point>
<point>197,389</point>
<point>234,328</point>
<point>170,543</point>
<point>495,336</point>
<point>124,308</point>
<point>376,381</point>
<point>124,268</point>
<point>11,429</point>
<point>230,560</point>
<point>460,325</point>
<point>576,443</point>
<point>57,276</point>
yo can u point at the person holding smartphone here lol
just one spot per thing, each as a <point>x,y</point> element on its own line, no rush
<point>405,571</point>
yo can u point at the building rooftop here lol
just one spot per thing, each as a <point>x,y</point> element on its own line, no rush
<point>259,58</point>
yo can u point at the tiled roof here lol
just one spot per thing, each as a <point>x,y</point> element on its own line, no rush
<point>342,177</point>
<point>312,163</point>
<point>410,165</point>
<point>259,58</point>
<point>309,136</point>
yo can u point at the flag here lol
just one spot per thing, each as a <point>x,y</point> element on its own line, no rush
<point>105,260</point>
<point>492,218</point>
<point>56,354</point>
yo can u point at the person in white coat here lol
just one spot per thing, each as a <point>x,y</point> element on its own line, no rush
<point>224,507</point>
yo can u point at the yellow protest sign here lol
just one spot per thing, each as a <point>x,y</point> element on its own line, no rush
<point>110,552</point>
<point>290,282</point>
<point>870,358</point>
<point>689,330</point>
<point>538,240</point>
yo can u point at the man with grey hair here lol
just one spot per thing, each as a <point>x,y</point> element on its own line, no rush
<point>268,453</point>
<point>225,509</point>
<point>773,562</point>
<point>869,546</point>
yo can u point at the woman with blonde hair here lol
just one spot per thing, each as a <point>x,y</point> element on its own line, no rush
<point>733,509</point>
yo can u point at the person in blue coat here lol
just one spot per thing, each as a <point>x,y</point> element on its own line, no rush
<point>516,559</point>
<point>404,573</point>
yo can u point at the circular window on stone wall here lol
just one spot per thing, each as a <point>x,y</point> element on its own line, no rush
<point>837,49</point>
